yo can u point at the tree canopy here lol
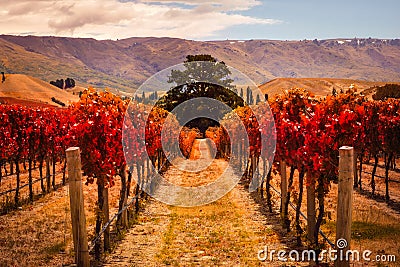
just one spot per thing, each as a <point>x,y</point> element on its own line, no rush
<point>203,76</point>
<point>387,91</point>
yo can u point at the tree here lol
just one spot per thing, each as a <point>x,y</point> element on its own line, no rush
<point>249,98</point>
<point>387,91</point>
<point>258,99</point>
<point>213,72</point>
<point>69,83</point>
<point>143,97</point>
<point>203,76</point>
<point>58,83</point>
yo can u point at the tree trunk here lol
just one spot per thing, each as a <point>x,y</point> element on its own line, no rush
<point>11,167</point>
<point>106,214</point>
<point>48,178</point>
<point>373,174</point>
<point>142,193</point>
<point>360,171</point>
<point>54,174</point>
<point>99,220</point>
<point>286,221</point>
<point>240,156</point>
<point>139,180</point>
<point>149,168</point>
<point>321,212</point>
<point>311,212</point>
<point>247,169</point>
<point>284,187</point>
<point>128,189</point>
<point>123,217</point>
<point>64,168</point>
<point>355,170</point>
<point>16,198</point>
<point>41,177</point>
<point>263,178</point>
<point>268,189</point>
<point>129,182</point>
<point>387,166</point>
<point>299,230</point>
<point>5,168</point>
<point>30,181</point>
<point>158,161</point>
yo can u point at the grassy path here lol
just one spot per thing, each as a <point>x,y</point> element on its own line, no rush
<point>228,232</point>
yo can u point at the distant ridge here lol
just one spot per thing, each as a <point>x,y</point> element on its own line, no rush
<point>127,63</point>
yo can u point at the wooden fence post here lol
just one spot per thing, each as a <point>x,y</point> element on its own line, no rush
<point>283,185</point>
<point>344,205</point>
<point>77,207</point>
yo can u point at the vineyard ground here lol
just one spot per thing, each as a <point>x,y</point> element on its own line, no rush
<point>375,225</point>
<point>230,231</point>
<point>40,234</point>
<point>394,185</point>
<point>9,182</point>
<point>227,232</point>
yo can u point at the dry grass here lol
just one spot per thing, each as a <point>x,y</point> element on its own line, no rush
<point>19,59</point>
<point>220,233</point>
<point>318,86</point>
<point>28,88</point>
<point>39,234</point>
<point>375,226</point>
<point>227,232</point>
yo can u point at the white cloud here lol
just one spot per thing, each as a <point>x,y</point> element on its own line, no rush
<point>226,5</point>
<point>112,19</point>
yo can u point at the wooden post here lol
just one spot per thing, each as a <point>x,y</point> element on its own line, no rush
<point>283,185</point>
<point>344,204</point>
<point>77,207</point>
<point>311,213</point>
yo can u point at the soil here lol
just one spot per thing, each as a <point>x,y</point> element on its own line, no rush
<point>228,232</point>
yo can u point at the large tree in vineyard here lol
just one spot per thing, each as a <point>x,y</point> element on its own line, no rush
<point>203,76</point>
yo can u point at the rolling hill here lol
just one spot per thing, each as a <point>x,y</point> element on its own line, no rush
<point>18,59</point>
<point>26,90</point>
<point>125,64</point>
<point>319,86</point>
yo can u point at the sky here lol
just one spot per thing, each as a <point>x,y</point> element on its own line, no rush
<point>203,19</point>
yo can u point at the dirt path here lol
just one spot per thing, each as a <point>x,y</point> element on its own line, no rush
<point>228,232</point>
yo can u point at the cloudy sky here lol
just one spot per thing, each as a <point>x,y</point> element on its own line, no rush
<point>202,19</point>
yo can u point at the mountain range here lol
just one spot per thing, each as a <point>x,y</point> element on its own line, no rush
<point>125,64</point>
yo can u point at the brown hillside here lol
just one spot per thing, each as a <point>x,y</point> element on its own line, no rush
<point>125,64</point>
<point>22,87</point>
<point>18,59</point>
<point>319,86</point>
